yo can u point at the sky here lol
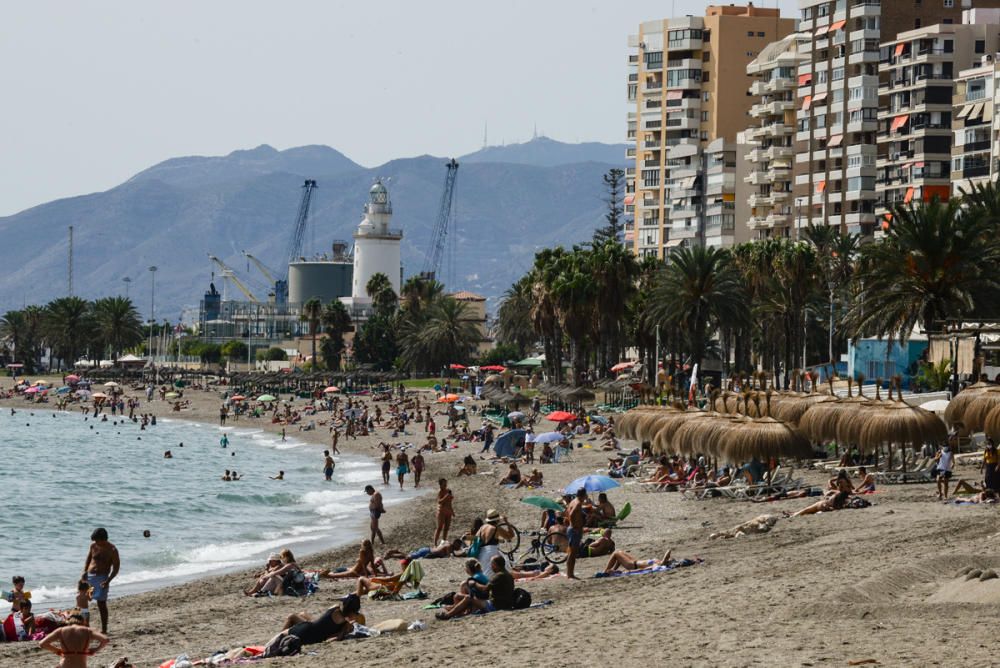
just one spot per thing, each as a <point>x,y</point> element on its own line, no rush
<point>93,92</point>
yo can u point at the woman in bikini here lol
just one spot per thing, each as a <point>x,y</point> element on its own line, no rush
<point>365,565</point>
<point>620,559</point>
<point>445,511</point>
<point>74,642</point>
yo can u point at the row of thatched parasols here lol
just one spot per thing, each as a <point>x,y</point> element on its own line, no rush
<point>738,427</point>
<point>975,409</point>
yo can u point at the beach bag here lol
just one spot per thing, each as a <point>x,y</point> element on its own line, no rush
<point>522,599</point>
<point>286,645</point>
<point>447,599</point>
<point>473,550</point>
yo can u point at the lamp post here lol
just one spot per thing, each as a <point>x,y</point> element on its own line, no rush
<point>152,305</point>
<point>126,281</point>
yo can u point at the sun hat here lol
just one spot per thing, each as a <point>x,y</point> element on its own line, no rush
<point>492,515</point>
<point>274,556</point>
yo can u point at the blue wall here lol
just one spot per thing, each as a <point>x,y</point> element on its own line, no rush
<point>869,357</point>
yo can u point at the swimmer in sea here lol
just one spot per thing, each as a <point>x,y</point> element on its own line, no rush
<point>280,476</point>
<point>227,477</point>
<point>224,441</point>
<point>235,477</point>
<point>168,455</point>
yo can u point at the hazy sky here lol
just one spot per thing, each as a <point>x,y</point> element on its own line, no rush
<point>93,92</point>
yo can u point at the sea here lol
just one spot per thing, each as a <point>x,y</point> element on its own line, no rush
<point>63,475</point>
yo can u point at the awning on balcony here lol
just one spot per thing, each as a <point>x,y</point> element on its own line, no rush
<point>966,110</point>
<point>918,165</point>
<point>837,26</point>
<point>898,122</point>
<point>820,97</point>
<point>688,182</point>
<point>675,94</point>
<point>807,102</point>
<point>909,195</point>
<point>805,79</point>
<point>629,199</point>
<point>673,243</point>
<point>900,48</point>
<point>977,111</point>
<point>821,31</point>
<point>835,141</point>
<point>821,186</point>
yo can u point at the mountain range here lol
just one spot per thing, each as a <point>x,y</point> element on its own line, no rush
<point>509,202</point>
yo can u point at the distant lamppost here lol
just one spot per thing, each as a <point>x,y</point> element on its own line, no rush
<point>126,281</point>
<point>152,305</point>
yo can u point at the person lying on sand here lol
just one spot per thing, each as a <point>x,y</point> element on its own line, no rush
<point>978,493</point>
<point>782,495</point>
<point>622,560</point>
<point>334,624</point>
<point>364,566</point>
<point>827,504</point>
<point>455,548</point>
<point>541,574</point>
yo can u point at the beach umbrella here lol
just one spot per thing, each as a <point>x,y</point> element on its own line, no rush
<point>493,378</point>
<point>515,415</point>
<point>598,419</point>
<point>448,399</point>
<point>496,368</point>
<point>550,437</point>
<point>64,389</point>
<point>456,367</point>
<point>543,502</point>
<point>266,397</point>
<point>898,422</point>
<point>560,416</point>
<point>791,408</point>
<point>171,395</point>
<point>974,416</point>
<point>111,384</point>
<point>237,397</point>
<point>591,483</point>
<point>621,366</point>
<point>34,389</point>
<point>331,390</point>
<point>72,378</point>
<point>98,395</point>
<point>83,393</point>
<point>507,443</point>
<point>992,424</point>
<point>956,407</point>
<point>762,439</point>
<point>820,422</point>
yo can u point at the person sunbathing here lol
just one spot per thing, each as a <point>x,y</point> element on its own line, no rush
<point>272,581</point>
<point>829,503</point>
<point>535,574</point>
<point>533,480</point>
<point>389,582</point>
<point>842,483</point>
<point>664,475</point>
<point>365,564</point>
<point>455,548</point>
<point>500,591</point>
<point>334,624</point>
<point>597,547</point>
<point>867,484</point>
<point>622,560</point>
<point>513,476</point>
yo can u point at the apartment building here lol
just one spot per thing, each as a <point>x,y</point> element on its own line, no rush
<point>688,83</point>
<point>915,138</point>
<point>837,118</point>
<point>769,138</point>
<point>975,153</point>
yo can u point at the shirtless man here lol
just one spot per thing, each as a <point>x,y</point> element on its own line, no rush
<point>574,518</point>
<point>100,569</point>
<point>376,510</point>
<point>328,465</point>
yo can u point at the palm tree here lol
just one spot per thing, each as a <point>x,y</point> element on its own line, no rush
<point>379,290</point>
<point>573,293</point>
<point>699,288</point>
<point>418,292</point>
<point>934,263</point>
<point>68,325</point>
<point>544,318</point>
<point>14,335</point>
<point>117,324</point>
<point>614,270</point>
<point>312,313</point>
<point>514,324</point>
<point>448,334</point>
<point>336,322</point>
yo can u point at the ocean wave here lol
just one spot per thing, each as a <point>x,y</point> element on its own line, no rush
<point>260,499</point>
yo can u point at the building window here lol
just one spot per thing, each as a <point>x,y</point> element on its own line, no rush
<point>749,33</point>
<point>760,34</point>
<point>949,4</point>
<point>704,117</point>
<point>980,46</point>
<point>706,56</point>
<point>704,76</point>
<point>917,23</point>
<point>704,135</point>
<point>704,96</point>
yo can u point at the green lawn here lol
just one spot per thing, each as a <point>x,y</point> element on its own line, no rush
<point>422,383</point>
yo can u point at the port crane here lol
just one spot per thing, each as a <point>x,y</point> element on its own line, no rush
<point>230,275</point>
<point>432,259</point>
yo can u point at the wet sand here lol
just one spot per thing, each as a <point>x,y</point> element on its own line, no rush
<point>828,589</point>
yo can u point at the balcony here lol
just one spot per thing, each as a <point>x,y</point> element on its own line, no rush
<point>778,174</point>
<point>776,151</point>
<point>757,178</point>
<point>652,144</point>
<point>652,87</point>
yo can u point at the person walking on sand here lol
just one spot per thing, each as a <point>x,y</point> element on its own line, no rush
<point>375,510</point>
<point>445,511</point>
<point>335,436</point>
<point>574,518</point>
<point>402,467</point>
<point>328,465</point>
<point>417,462</point>
<point>100,569</point>
<point>944,463</point>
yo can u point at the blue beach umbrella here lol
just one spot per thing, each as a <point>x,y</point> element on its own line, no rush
<point>64,389</point>
<point>550,437</point>
<point>508,442</point>
<point>591,483</point>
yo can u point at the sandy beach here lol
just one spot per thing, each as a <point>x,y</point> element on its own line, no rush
<point>829,589</point>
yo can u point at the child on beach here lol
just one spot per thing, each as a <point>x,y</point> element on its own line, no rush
<point>83,594</point>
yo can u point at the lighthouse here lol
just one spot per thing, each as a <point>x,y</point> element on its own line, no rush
<point>376,245</point>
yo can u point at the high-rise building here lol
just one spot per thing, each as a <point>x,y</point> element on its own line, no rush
<point>975,153</point>
<point>837,117</point>
<point>688,81</point>
<point>916,139</point>
<point>769,138</point>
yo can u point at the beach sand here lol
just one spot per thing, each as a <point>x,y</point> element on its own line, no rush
<point>828,589</point>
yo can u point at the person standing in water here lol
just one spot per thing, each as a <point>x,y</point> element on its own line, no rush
<point>100,569</point>
<point>224,441</point>
<point>328,465</point>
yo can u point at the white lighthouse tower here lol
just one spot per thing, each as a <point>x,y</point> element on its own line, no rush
<point>376,246</point>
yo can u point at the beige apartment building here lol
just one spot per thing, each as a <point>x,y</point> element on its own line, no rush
<point>769,139</point>
<point>975,153</point>
<point>916,139</point>
<point>837,118</point>
<point>688,83</point>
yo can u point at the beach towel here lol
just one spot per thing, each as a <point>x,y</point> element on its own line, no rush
<point>655,569</point>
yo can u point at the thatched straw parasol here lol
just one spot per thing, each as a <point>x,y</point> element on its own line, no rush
<point>975,412</point>
<point>992,424</point>
<point>898,422</point>
<point>848,430</point>
<point>763,438</point>
<point>667,426</point>
<point>819,423</point>
<point>960,402</point>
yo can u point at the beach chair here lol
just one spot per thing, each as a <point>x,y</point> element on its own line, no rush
<point>624,512</point>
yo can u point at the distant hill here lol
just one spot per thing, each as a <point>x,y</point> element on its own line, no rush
<point>174,214</point>
<point>545,152</point>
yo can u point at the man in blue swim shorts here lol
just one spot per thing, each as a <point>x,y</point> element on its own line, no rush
<point>100,569</point>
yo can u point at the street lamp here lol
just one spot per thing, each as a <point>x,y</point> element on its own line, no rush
<point>126,281</point>
<point>152,305</point>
